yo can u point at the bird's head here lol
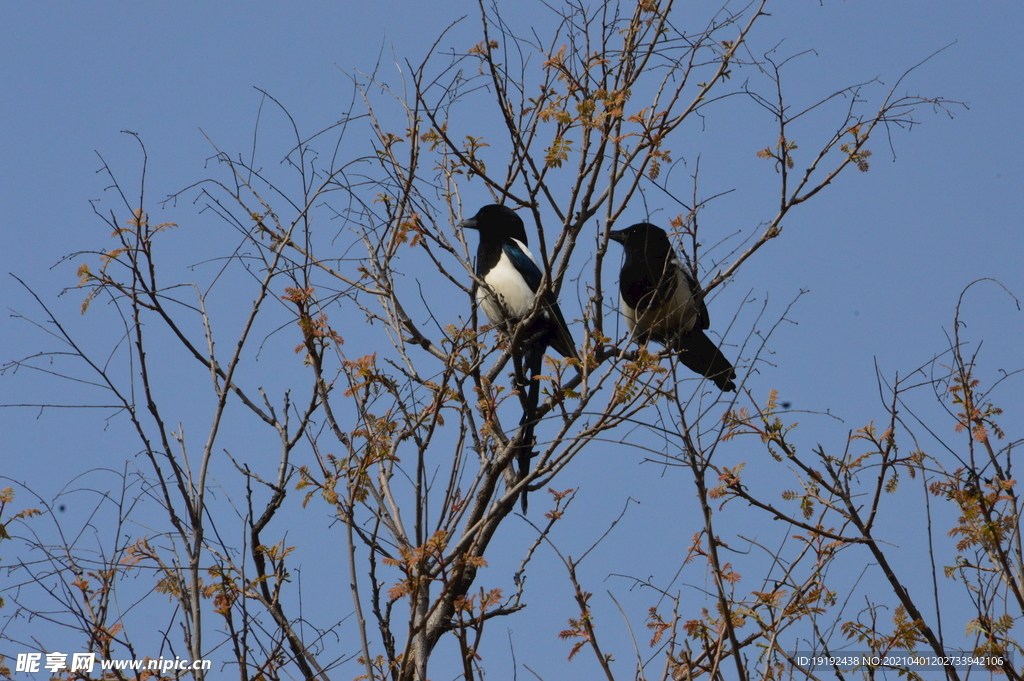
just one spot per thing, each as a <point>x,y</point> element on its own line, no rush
<point>496,222</point>
<point>643,239</point>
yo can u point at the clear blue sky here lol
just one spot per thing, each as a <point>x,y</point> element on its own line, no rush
<point>884,254</point>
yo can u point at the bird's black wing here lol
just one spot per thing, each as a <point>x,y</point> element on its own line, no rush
<point>701,320</point>
<point>524,264</point>
<point>697,352</point>
<point>561,340</point>
<point>550,319</point>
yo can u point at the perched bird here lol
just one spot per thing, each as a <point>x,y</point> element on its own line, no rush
<point>506,265</point>
<point>661,302</point>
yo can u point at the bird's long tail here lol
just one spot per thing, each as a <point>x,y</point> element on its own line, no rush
<point>533,361</point>
<point>699,353</point>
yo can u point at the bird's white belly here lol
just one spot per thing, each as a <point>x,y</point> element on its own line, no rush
<point>516,297</point>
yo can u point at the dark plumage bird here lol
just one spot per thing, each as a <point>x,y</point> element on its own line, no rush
<point>505,264</point>
<point>661,302</point>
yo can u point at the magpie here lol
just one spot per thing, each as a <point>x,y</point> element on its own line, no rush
<point>505,264</point>
<point>661,302</point>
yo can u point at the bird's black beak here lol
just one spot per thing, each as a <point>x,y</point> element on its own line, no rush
<point>618,235</point>
<point>468,223</point>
